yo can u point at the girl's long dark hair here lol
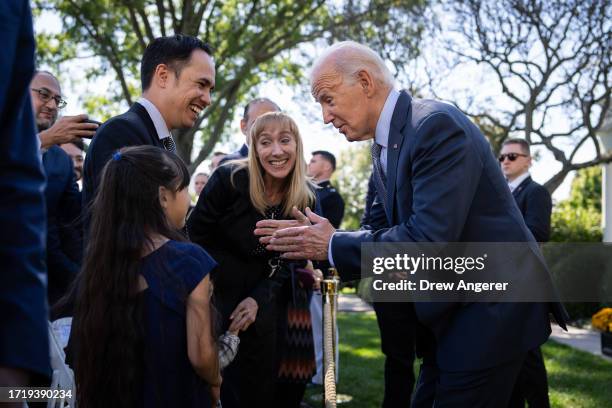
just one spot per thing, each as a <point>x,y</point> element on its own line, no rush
<point>108,328</point>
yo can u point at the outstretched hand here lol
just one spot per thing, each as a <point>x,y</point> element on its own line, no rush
<point>266,228</point>
<point>304,241</point>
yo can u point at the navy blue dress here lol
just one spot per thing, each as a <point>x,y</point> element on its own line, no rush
<point>171,272</point>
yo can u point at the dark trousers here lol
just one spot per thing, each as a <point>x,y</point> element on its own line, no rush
<point>532,383</point>
<point>397,325</point>
<point>487,388</point>
<point>250,379</point>
<point>289,395</point>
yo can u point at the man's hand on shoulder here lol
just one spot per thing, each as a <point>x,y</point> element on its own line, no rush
<point>66,130</point>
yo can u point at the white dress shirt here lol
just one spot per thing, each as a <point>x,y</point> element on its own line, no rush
<point>158,121</point>
<point>517,181</point>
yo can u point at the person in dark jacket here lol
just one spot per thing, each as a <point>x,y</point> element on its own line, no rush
<point>254,287</point>
<point>536,206</point>
<point>533,200</point>
<point>321,167</point>
<point>24,344</point>
<point>177,75</point>
<point>421,149</point>
<point>63,199</point>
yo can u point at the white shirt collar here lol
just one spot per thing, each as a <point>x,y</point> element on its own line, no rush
<point>517,181</point>
<point>384,120</point>
<point>158,121</point>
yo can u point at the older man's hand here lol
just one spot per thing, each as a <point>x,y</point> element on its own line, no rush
<point>266,228</point>
<point>304,242</point>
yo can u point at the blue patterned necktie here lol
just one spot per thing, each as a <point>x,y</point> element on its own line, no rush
<point>168,143</point>
<point>379,176</point>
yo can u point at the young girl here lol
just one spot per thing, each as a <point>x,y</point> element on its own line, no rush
<point>142,326</point>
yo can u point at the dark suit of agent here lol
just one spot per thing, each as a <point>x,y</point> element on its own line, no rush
<point>24,345</point>
<point>535,203</point>
<point>332,204</point>
<point>424,149</point>
<point>177,76</point>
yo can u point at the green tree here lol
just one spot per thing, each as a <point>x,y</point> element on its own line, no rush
<point>578,218</point>
<point>354,168</point>
<point>253,41</point>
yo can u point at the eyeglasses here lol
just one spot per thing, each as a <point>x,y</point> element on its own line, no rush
<point>510,156</point>
<point>46,96</point>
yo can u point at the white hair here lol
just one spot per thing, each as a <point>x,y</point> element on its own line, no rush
<point>349,57</point>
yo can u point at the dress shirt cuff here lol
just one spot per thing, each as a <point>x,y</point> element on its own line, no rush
<point>329,252</point>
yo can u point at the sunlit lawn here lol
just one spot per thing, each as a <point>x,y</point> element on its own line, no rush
<point>576,379</point>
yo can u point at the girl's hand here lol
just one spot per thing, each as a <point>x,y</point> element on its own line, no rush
<point>244,315</point>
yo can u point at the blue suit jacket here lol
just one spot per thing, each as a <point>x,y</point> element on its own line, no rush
<point>132,128</point>
<point>536,206</point>
<point>63,209</point>
<point>445,185</point>
<point>23,301</point>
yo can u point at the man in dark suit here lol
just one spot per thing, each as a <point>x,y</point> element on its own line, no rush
<point>24,346</point>
<point>62,194</point>
<point>535,204</point>
<point>321,167</point>
<point>252,111</point>
<point>472,351</point>
<point>177,77</point>
<point>533,200</point>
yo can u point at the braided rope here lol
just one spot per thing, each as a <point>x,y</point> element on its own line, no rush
<point>329,342</point>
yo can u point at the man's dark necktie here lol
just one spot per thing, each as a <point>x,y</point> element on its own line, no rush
<point>379,177</point>
<point>169,144</point>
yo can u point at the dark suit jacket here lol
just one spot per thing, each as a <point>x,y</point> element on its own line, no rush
<point>444,185</point>
<point>63,208</point>
<point>536,206</point>
<point>132,128</point>
<point>367,219</point>
<point>242,153</point>
<point>332,203</point>
<point>23,301</point>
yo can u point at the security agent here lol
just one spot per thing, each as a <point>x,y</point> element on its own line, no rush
<point>321,167</point>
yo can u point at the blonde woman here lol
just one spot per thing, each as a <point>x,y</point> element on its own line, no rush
<point>253,286</point>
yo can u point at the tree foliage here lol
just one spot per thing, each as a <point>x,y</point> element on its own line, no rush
<point>253,42</point>
<point>578,219</point>
<point>351,178</point>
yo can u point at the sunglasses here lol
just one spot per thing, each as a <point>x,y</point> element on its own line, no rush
<point>511,156</point>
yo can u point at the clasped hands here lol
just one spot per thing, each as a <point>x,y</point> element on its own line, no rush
<point>305,237</point>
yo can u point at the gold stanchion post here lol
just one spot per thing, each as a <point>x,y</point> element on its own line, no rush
<point>329,291</point>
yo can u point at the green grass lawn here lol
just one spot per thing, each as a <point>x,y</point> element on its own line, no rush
<point>576,379</point>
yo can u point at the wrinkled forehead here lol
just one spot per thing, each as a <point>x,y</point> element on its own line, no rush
<point>324,78</point>
<point>44,80</point>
